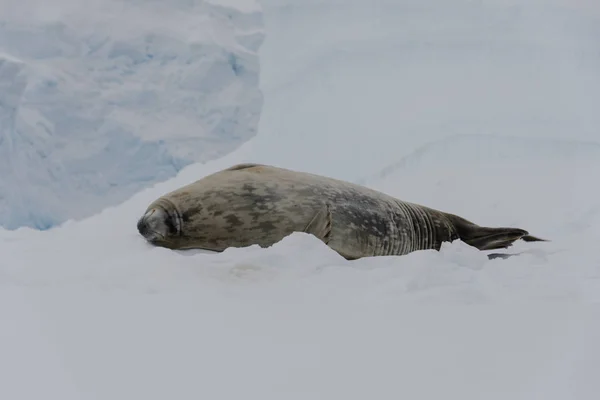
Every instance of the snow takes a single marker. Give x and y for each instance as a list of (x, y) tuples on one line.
[(408, 73), (103, 98), (91, 311)]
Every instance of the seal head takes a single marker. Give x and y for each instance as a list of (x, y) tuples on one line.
[(158, 225)]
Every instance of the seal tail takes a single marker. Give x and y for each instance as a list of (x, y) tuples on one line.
[(486, 238)]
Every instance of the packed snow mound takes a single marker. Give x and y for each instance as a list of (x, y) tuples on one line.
[(100, 99), (467, 187), (106, 313)]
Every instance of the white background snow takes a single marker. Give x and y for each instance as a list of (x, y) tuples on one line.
[(486, 109)]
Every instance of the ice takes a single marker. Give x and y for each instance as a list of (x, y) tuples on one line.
[(102, 98)]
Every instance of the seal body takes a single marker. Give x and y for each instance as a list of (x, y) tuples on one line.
[(251, 204)]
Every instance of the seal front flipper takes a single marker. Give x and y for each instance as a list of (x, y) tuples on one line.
[(320, 224), (503, 256)]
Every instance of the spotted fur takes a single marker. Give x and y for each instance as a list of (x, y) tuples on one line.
[(251, 204)]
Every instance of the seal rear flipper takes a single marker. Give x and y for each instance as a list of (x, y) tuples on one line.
[(493, 238), (320, 224), (529, 238), (485, 238)]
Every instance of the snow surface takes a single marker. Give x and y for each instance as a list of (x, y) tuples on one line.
[(102, 98), (91, 311), (405, 73)]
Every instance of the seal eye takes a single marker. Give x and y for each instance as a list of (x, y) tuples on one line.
[(171, 226), (155, 225)]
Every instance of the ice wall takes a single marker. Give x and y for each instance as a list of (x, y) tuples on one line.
[(100, 99)]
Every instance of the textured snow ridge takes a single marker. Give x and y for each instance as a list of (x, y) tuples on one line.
[(100, 99)]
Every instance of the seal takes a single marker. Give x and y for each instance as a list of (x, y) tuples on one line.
[(249, 204)]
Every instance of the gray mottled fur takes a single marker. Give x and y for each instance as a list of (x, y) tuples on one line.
[(251, 204)]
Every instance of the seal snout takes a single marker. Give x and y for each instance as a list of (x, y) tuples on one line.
[(152, 225)]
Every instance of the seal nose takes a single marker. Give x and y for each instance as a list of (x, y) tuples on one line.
[(142, 226)]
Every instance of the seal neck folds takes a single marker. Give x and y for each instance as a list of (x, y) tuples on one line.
[(423, 228)]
